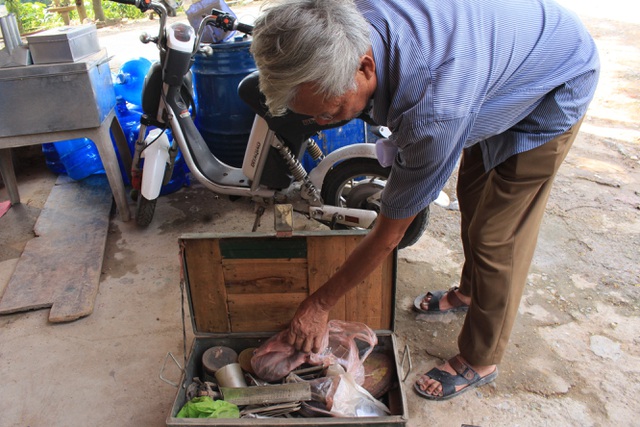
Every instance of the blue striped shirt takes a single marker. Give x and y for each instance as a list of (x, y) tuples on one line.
[(507, 74)]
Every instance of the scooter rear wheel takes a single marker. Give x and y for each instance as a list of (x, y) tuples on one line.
[(352, 182), (145, 210)]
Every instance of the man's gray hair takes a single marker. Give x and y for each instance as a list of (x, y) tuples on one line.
[(308, 41)]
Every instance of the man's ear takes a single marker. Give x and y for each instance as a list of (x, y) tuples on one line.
[(368, 65)]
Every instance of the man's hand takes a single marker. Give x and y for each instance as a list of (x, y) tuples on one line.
[(308, 327)]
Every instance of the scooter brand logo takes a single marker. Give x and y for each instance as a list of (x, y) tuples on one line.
[(256, 152)]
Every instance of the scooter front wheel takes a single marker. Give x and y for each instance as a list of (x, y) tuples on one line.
[(145, 210), (352, 183)]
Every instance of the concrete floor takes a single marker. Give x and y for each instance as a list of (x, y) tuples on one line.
[(103, 369), (574, 356)]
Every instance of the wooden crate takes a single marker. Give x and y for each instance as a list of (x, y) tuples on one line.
[(244, 288)]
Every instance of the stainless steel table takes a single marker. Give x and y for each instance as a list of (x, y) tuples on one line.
[(57, 102)]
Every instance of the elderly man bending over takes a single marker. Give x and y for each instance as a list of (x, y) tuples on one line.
[(502, 85)]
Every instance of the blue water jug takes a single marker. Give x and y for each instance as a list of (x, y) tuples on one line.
[(80, 157), (129, 118), (128, 114), (128, 82), (52, 158)]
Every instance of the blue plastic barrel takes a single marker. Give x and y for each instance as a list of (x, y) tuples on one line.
[(331, 139), (80, 157), (223, 119)]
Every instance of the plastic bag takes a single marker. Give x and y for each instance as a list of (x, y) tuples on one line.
[(274, 359), (206, 407), (345, 343), (197, 9), (340, 396), (349, 344), (351, 400)]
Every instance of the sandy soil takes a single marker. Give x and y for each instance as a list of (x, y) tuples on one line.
[(574, 357)]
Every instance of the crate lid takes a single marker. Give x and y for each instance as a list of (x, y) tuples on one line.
[(61, 33), (254, 282), (48, 70)]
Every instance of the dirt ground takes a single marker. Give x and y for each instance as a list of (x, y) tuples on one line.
[(574, 355)]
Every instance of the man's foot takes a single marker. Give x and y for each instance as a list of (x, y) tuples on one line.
[(454, 378), (441, 301)]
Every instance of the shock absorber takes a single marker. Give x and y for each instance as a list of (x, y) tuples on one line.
[(314, 150), (308, 190)]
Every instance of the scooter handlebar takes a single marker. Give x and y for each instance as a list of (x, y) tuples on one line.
[(228, 22), (245, 28)]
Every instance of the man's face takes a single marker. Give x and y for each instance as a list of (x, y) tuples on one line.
[(337, 109), (331, 110)]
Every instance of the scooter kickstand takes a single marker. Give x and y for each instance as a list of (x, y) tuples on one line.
[(334, 221), (256, 223)]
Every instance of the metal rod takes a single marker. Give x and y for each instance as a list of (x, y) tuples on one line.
[(13, 27), (7, 34)]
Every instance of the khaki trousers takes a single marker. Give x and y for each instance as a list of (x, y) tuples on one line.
[(501, 211)]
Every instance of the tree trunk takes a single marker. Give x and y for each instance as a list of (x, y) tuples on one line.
[(97, 10), (82, 11)]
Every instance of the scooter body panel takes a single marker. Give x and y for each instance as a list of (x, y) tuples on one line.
[(255, 155), (360, 218), (206, 168)]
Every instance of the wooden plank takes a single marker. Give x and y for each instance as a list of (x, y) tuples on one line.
[(205, 278), (325, 255), (364, 302), (371, 301), (263, 312), (254, 276), (61, 267)]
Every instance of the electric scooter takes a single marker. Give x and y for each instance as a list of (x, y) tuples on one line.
[(342, 191)]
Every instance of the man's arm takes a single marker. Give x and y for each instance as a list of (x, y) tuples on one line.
[(308, 326)]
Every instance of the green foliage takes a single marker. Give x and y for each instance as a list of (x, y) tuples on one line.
[(113, 10), (34, 16), (13, 5)]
